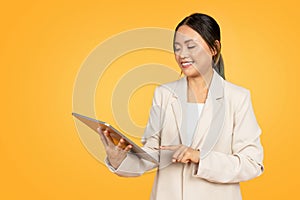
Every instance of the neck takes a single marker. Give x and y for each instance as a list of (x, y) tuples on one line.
[(200, 82)]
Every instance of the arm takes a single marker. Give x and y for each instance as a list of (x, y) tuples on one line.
[(132, 165), (245, 162)]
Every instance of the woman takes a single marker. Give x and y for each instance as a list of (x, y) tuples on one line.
[(201, 129)]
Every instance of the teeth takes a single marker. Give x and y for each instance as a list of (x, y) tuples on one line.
[(186, 63)]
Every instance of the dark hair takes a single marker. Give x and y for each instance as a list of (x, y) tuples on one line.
[(209, 30)]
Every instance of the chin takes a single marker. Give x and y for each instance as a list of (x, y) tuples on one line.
[(191, 73)]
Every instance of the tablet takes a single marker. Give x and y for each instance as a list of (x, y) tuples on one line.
[(116, 136)]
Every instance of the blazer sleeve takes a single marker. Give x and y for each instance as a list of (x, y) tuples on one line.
[(132, 165), (245, 161)]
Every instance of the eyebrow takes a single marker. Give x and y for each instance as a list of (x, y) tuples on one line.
[(190, 40)]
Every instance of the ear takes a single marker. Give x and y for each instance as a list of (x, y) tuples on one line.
[(216, 48)]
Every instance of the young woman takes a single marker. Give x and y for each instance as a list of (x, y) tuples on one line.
[(201, 129)]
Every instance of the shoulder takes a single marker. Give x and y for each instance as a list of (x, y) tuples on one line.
[(236, 95), (170, 87), (164, 93), (233, 90)]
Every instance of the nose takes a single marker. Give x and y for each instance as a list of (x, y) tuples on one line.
[(184, 53)]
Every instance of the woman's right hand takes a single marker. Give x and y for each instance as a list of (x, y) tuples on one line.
[(115, 153)]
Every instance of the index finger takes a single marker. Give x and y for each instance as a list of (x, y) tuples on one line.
[(170, 147)]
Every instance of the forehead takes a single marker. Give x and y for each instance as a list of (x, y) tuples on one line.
[(185, 33)]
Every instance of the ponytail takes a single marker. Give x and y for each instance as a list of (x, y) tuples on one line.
[(219, 66)]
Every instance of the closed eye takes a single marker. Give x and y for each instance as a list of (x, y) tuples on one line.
[(176, 49)]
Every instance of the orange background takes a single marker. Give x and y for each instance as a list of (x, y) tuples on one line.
[(43, 45)]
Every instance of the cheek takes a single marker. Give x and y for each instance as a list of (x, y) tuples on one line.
[(176, 57), (203, 61), (201, 55)]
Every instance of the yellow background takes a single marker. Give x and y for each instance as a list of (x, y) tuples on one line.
[(43, 45)]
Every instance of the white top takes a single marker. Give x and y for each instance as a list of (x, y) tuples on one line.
[(193, 114)]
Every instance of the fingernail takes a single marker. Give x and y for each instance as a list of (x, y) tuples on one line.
[(173, 160)]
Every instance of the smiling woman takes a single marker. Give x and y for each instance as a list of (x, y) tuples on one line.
[(205, 34), (202, 129)]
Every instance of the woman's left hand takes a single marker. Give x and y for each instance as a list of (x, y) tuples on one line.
[(183, 154)]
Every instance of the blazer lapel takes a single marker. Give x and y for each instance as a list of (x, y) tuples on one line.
[(178, 106), (212, 118), (203, 122)]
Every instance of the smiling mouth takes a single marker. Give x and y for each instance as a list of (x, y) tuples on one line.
[(186, 64)]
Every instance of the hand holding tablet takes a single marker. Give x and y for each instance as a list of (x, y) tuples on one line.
[(115, 153), (116, 144)]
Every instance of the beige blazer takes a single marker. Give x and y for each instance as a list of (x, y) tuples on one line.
[(227, 136)]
